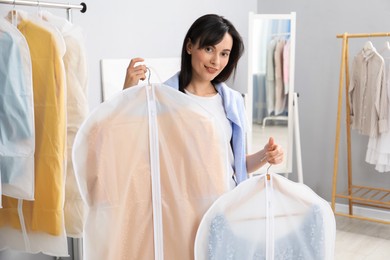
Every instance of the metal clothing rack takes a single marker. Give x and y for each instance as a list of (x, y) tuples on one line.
[(82, 6), (76, 243), (356, 194)]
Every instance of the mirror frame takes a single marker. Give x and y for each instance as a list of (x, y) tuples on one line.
[(249, 99)]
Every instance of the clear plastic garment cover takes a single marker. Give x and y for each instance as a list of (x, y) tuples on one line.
[(17, 138), (38, 225), (267, 219), (142, 140)]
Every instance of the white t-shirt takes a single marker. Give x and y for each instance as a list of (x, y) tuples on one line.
[(215, 106)]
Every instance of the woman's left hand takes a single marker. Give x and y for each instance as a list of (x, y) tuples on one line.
[(273, 152)]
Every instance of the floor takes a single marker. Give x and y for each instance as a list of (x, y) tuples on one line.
[(361, 240)]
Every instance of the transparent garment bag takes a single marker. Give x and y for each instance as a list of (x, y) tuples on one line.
[(267, 219), (37, 225), (114, 168), (17, 138), (75, 64)]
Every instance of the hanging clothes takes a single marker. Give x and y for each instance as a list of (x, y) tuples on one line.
[(269, 219), (280, 97), (112, 161), (286, 66), (368, 94), (378, 148), (76, 111), (270, 76), (17, 138), (38, 226)]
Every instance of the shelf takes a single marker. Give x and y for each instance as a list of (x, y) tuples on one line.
[(366, 196)]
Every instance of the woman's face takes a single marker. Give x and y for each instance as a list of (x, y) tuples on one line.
[(209, 61)]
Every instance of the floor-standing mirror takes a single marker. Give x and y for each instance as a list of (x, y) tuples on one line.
[(271, 56)]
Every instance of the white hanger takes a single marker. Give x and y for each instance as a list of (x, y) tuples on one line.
[(14, 15), (368, 46), (387, 45), (386, 48)]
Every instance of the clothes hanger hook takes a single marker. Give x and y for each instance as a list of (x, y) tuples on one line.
[(267, 174), (13, 14), (39, 7), (149, 74)]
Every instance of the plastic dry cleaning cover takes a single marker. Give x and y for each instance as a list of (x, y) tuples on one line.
[(267, 219), (116, 153)]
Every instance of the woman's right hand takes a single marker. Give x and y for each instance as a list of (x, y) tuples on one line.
[(134, 73)]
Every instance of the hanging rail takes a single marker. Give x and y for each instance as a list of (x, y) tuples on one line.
[(362, 35), (82, 6)]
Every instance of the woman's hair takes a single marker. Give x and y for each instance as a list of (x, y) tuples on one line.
[(209, 30)]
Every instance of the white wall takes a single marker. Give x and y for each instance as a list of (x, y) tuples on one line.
[(150, 28)]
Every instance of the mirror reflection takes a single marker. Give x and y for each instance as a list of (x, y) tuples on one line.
[(271, 54)]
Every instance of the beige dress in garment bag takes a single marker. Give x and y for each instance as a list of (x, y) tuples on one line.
[(112, 165)]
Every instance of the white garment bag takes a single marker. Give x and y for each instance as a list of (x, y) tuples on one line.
[(149, 164), (17, 127), (268, 219)]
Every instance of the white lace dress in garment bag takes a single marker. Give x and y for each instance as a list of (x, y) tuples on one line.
[(260, 219)]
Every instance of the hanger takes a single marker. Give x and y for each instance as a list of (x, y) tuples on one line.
[(267, 174), (296, 213), (386, 48), (14, 15), (368, 46), (150, 73), (39, 10), (387, 45)]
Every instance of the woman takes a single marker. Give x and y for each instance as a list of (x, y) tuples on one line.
[(211, 50)]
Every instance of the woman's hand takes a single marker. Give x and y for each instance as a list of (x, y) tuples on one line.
[(134, 73), (273, 152)]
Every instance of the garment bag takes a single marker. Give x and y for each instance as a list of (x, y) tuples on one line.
[(75, 64), (114, 157), (38, 225), (268, 219), (17, 132)]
